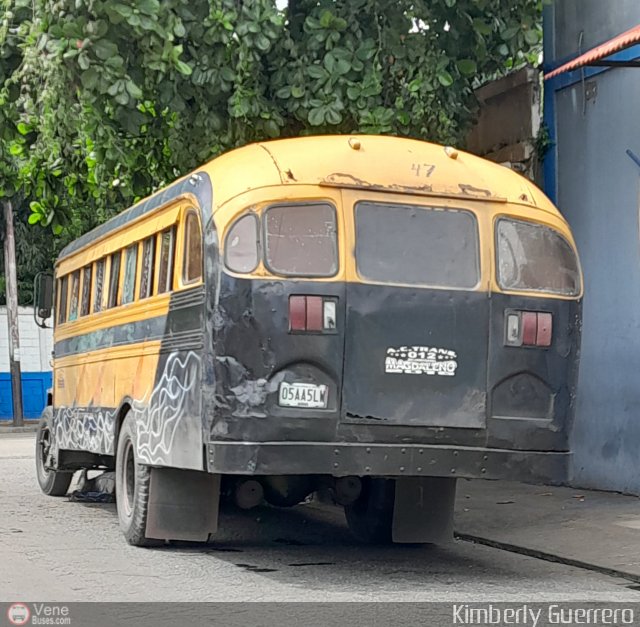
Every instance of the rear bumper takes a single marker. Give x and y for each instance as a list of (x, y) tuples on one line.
[(388, 460)]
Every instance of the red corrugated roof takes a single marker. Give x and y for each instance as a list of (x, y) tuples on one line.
[(626, 39)]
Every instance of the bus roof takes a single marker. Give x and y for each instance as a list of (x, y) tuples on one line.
[(379, 162), (374, 162)]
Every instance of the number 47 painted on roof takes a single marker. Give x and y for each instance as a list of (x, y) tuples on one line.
[(426, 169)]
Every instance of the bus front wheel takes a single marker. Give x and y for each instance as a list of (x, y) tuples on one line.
[(52, 482), (132, 487)]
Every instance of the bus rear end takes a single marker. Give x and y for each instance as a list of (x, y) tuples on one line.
[(380, 342)]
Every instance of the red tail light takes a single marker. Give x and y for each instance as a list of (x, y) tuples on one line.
[(298, 313), (528, 328), (545, 326), (314, 314)]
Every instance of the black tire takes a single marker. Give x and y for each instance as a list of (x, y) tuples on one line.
[(370, 517), (52, 482), (132, 487)]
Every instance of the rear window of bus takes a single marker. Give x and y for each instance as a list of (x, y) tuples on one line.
[(300, 240), (241, 249), (417, 245), (533, 257)]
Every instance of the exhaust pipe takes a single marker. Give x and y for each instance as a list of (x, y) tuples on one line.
[(248, 494), (347, 490)]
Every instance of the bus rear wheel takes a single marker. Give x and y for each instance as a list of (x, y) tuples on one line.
[(370, 516), (52, 482), (132, 487)]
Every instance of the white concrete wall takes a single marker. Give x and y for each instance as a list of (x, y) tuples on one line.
[(36, 344)]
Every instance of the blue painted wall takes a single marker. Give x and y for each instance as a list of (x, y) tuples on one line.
[(597, 187), (34, 394)]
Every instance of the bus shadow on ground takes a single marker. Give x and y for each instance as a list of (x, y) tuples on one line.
[(310, 546), (314, 540)]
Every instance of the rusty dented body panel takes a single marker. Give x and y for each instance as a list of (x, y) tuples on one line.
[(503, 399)]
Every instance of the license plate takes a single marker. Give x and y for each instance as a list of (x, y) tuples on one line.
[(307, 395)]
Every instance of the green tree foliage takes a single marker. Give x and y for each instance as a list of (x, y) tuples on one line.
[(35, 248), (105, 100)]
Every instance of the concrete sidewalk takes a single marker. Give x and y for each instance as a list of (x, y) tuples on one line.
[(29, 426), (597, 530)]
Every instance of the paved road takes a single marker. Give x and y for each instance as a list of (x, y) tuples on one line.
[(54, 550)]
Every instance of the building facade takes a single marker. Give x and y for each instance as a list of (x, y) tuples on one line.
[(592, 172), (36, 345)]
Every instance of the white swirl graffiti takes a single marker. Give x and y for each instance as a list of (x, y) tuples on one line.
[(158, 417), (171, 401), (84, 429)]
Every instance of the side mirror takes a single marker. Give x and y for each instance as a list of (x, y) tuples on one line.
[(42, 298)]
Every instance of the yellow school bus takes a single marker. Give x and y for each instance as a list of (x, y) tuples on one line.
[(376, 316)]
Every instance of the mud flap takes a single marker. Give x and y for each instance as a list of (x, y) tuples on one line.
[(183, 504), (423, 510)]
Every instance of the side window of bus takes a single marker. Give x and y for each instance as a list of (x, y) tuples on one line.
[(130, 265), (114, 279), (192, 262), (535, 257), (75, 295), (63, 285), (165, 273), (300, 240), (241, 247), (86, 291), (148, 264), (99, 283)]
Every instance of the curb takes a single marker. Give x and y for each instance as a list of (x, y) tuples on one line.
[(548, 557), (30, 426)]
